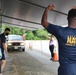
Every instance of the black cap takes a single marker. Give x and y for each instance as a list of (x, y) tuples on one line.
[(72, 13)]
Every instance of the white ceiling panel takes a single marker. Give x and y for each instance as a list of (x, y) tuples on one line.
[(29, 12)]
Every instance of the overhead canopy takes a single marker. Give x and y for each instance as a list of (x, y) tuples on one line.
[(28, 13)]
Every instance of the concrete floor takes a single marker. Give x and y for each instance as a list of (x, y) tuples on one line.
[(29, 63)]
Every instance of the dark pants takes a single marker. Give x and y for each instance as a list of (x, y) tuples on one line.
[(51, 50), (67, 69)]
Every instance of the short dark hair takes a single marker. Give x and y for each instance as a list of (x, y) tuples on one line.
[(7, 29), (72, 13)]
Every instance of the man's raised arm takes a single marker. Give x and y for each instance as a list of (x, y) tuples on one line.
[(45, 14)]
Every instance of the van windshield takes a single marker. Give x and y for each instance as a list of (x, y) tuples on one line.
[(10, 38)]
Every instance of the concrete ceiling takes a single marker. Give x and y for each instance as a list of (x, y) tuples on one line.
[(27, 13)]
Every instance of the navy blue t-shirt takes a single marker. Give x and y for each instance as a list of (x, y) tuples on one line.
[(2, 40), (66, 37)]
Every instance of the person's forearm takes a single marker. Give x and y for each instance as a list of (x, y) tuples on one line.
[(44, 18), (44, 21), (4, 46)]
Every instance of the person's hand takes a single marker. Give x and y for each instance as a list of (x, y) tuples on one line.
[(50, 7), (6, 51)]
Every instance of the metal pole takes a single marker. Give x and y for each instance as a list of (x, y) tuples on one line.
[(42, 6), (0, 26), (20, 19), (20, 25), (0, 16)]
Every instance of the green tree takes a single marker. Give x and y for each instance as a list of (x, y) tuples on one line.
[(42, 34), (29, 35), (14, 30)]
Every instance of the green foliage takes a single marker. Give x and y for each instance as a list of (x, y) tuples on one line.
[(30, 35), (14, 30), (36, 38), (37, 35), (40, 34)]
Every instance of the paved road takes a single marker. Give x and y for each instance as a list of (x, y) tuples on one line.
[(29, 63)]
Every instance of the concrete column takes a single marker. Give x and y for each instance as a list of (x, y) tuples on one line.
[(0, 16)]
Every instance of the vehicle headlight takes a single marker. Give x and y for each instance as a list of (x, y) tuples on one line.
[(22, 44), (9, 44)]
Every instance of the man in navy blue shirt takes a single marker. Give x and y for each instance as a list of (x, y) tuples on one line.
[(66, 37), (3, 47)]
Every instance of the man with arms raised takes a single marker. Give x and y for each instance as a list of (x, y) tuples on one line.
[(66, 37)]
